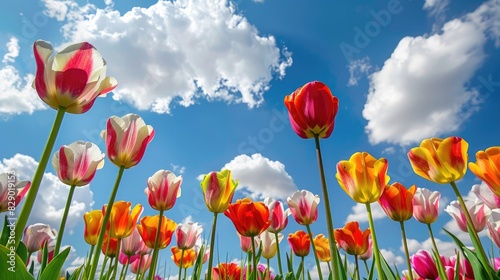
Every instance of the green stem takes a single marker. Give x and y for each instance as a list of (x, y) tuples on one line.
[(376, 252), (357, 266), (152, 269), (63, 221), (104, 263), (407, 254), (124, 268), (268, 274), (254, 258), (303, 268), (29, 200), (185, 272), (95, 258), (329, 220), (472, 233), (139, 272), (86, 271), (278, 253), (212, 243), (115, 267), (366, 267), (320, 274), (440, 266), (180, 264)]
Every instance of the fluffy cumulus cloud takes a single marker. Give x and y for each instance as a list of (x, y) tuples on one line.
[(359, 213), (446, 248), (391, 257), (261, 177), (358, 68), (51, 199), (17, 94), (422, 89), (175, 52)]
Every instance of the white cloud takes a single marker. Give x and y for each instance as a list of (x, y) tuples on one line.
[(261, 177), (324, 271), (391, 258), (17, 94), (422, 88), (359, 213), (436, 8), (51, 198), (446, 248), (176, 52), (487, 16), (178, 168), (389, 151), (358, 68)]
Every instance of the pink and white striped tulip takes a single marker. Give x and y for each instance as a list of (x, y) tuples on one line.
[(11, 188), (77, 163), (494, 227), (51, 245), (478, 212), (304, 207), (141, 264), (484, 193), (134, 245), (126, 139), (163, 190), (36, 235), (426, 205), (72, 78), (279, 216), (187, 234), (270, 244), (246, 243)]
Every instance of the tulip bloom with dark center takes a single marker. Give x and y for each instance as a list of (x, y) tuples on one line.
[(487, 168), (121, 220), (300, 243), (312, 109), (440, 160), (250, 218), (352, 239), (396, 201), (72, 78), (93, 223), (149, 227), (163, 190)]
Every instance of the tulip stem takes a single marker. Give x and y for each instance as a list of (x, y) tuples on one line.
[(152, 269), (95, 258), (366, 267), (63, 220), (29, 200), (472, 233), (268, 274), (124, 268), (376, 252), (357, 267), (279, 255), (212, 242), (254, 258), (407, 254), (115, 267), (309, 232), (329, 221), (303, 268), (89, 258), (180, 264), (441, 269)]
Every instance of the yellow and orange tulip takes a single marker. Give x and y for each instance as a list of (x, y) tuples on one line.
[(322, 248), (93, 223), (250, 218), (351, 239), (121, 221), (218, 190), (487, 168), (149, 227), (363, 177), (397, 202), (188, 257)]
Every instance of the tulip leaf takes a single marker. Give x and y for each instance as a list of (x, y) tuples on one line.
[(290, 276), (343, 275), (372, 269), (22, 252), (53, 269), (477, 266), (4, 238), (299, 271), (289, 262), (12, 268), (198, 264), (45, 258), (309, 275), (437, 260), (386, 269)]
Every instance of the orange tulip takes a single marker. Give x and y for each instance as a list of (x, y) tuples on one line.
[(322, 248), (487, 168), (440, 160), (352, 239), (93, 223), (149, 227), (312, 109), (121, 221), (397, 202), (250, 218), (188, 257), (110, 246), (227, 271), (300, 243)]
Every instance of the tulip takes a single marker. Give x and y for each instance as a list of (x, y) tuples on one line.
[(494, 227), (93, 223), (227, 271), (126, 259), (126, 139), (440, 160), (487, 168), (496, 263), (269, 244), (240, 212), (351, 239), (121, 220), (246, 243), (163, 190), (396, 201), (218, 190), (368, 254), (50, 251), (424, 265), (322, 248), (300, 243), (149, 226), (35, 236), (140, 265), (479, 213), (486, 195), (304, 207), (183, 258), (76, 164), (279, 217), (187, 234), (363, 177), (426, 205), (110, 246), (72, 78), (312, 109), (133, 244), (11, 192)]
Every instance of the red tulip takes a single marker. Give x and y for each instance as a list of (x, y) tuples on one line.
[(250, 218), (300, 243)]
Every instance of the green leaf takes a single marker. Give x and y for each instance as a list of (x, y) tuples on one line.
[(76, 273), (289, 262), (343, 275), (439, 265), (4, 238), (53, 269), (299, 271), (12, 268), (290, 276), (22, 252), (386, 269)]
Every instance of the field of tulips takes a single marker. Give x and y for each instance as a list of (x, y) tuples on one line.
[(124, 243)]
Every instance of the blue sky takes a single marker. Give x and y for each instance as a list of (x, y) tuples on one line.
[(210, 76)]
